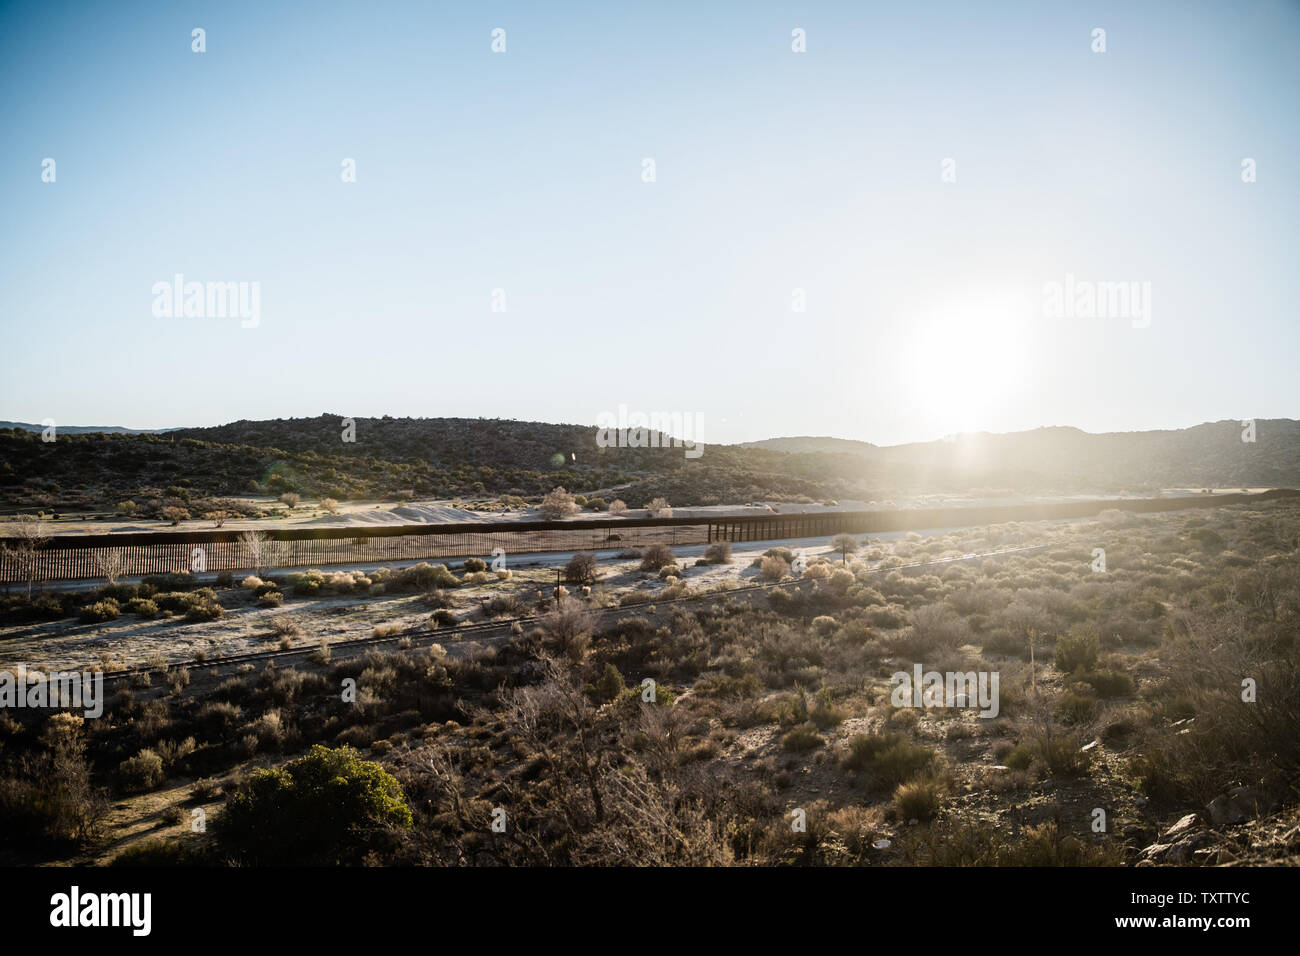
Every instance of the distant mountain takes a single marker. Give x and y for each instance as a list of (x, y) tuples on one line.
[(86, 429), (803, 446), (1208, 455)]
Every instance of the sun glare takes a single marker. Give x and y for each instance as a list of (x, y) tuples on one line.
[(967, 363)]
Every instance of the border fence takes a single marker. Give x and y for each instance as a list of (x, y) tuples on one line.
[(82, 556)]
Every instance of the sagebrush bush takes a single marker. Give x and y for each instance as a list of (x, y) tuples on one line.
[(1077, 651), (655, 556), (99, 612), (142, 772)]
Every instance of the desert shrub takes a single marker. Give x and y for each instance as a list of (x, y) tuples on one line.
[(557, 503), (425, 577), (774, 568), (1018, 758), (825, 715), (1060, 755), (802, 738), (329, 807), (143, 608), (175, 515), (100, 611), (719, 552), (473, 565), (890, 758), (444, 617), (843, 545), (617, 507), (568, 628), (824, 624), (610, 685), (1076, 708), (659, 508), (160, 851), (965, 843), (204, 609), (889, 617), (1109, 682), (656, 556), (271, 599), (142, 772), (179, 581), (581, 568), (1076, 651), (918, 799), (121, 593)]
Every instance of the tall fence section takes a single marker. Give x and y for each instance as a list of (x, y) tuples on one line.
[(83, 556)]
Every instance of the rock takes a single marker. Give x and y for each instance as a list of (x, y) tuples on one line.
[(1182, 827), (1238, 805), (1179, 853), (1156, 850), (1086, 747)]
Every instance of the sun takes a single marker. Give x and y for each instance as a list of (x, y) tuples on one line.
[(968, 363)]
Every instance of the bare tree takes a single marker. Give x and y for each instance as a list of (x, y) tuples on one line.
[(175, 515), (659, 508), (111, 563), (569, 627), (263, 550), (291, 498), (30, 536), (844, 545), (558, 503)]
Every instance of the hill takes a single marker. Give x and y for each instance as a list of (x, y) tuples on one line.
[(482, 458)]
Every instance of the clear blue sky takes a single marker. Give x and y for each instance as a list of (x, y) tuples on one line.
[(775, 171)]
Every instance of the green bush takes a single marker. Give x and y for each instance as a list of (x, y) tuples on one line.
[(610, 686), (143, 607), (890, 758), (327, 808), (100, 611)]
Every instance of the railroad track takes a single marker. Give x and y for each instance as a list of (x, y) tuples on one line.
[(462, 631)]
